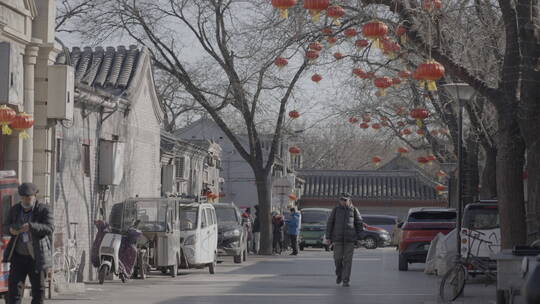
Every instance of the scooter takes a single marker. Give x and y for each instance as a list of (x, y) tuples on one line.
[(118, 254)]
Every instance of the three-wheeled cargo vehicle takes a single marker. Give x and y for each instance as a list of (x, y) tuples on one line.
[(159, 221)]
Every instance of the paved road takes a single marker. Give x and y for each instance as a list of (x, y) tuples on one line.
[(307, 278)]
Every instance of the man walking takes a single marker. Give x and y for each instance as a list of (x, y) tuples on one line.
[(293, 229), (342, 231), (30, 224)]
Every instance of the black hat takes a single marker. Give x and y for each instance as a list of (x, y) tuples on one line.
[(28, 189), (345, 195)]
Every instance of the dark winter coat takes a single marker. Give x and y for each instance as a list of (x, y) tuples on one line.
[(41, 229), (344, 225), (277, 227)]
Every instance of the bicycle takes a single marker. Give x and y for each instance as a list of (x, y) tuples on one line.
[(72, 256), (453, 282)]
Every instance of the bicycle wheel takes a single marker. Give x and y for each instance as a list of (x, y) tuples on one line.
[(453, 283), (60, 267)]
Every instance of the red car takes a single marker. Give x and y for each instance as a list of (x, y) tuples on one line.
[(420, 227)]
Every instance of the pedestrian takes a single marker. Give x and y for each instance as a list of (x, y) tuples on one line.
[(256, 231), (293, 229), (30, 224), (277, 232), (343, 231)]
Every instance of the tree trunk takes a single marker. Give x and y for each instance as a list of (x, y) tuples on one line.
[(488, 190), (510, 160), (264, 194), (533, 190)]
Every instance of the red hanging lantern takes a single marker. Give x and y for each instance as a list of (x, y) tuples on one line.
[(432, 5), (390, 48), (316, 78), (294, 114), (403, 150), (294, 150), (353, 120), (335, 12), (292, 197), (358, 72), (376, 126), (350, 32), (315, 46), (431, 158), (406, 131), (419, 114), (364, 125), (315, 7), (283, 6), (430, 72), (281, 62), (396, 81), (327, 31), (331, 40), (401, 32), (361, 43), (376, 160), (440, 188), (312, 55), (338, 55), (21, 123), (383, 83), (422, 160), (375, 31), (404, 74), (421, 132), (7, 116)]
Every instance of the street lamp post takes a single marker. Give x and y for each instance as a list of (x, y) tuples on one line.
[(460, 92)]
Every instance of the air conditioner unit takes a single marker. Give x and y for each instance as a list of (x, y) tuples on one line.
[(111, 162), (60, 93), (11, 74)]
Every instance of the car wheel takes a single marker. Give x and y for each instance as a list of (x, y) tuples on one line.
[(370, 243), (403, 263), (239, 258)]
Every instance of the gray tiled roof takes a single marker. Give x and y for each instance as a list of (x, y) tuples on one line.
[(109, 69)]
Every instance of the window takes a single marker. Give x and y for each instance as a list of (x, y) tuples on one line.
[(188, 218), (432, 216), (213, 215), (204, 218), (376, 221), (86, 159)]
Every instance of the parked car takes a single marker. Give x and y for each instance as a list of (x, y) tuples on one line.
[(232, 232), (419, 228), (199, 236), (386, 222), (373, 237), (312, 231)]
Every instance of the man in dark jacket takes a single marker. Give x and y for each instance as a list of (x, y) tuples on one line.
[(256, 231), (343, 231), (30, 225)]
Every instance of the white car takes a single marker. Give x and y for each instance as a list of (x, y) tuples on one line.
[(199, 236), (481, 233)]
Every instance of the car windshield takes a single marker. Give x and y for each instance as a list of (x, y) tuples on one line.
[(432, 216), (314, 217), (481, 218), (188, 218), (152, 216), (226, 214)]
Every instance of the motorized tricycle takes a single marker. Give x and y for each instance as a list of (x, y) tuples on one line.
[(159, 246)]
